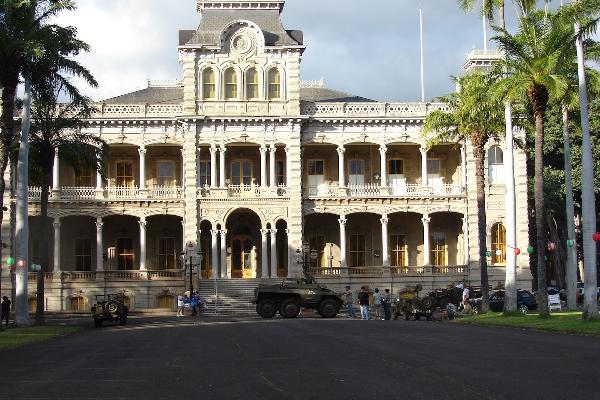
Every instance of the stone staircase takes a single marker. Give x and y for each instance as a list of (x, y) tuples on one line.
[(229, 297)]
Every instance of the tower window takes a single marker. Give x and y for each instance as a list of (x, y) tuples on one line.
[(251, 84), (274, 84), (208, 84), (231, 91)]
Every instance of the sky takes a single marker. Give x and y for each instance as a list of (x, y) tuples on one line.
[(368, 48)]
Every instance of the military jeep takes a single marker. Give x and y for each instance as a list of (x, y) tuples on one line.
[(289, 296), (110, 307)]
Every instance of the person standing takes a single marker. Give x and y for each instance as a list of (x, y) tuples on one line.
[(194, 303), (350, 302), (386, 300), (377, 304), (180, 305), (5, 309), (363, 299)]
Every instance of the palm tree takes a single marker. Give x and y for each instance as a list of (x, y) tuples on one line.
[(32, 46), (534, 58), (475, 115)]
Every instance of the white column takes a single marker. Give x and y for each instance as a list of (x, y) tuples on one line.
[(142, 223), (99, 246), (384, 241), (423, 166), (142, 151), (465, 228), (272, 177), (56, 225), (273, 253), (222, 149), (264, 259), (224, 267), (342, 222), (463, 164), (383, 153), (99, 181), (342, 178), (426, 245), (289, 256), (213, 167), (263, 166), (214, 235), (55, 173), (287, 167)]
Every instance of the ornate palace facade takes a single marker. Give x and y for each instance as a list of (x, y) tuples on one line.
[(246, 162)]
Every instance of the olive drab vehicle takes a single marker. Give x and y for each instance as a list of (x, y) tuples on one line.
[(110, 307), (289, 296)]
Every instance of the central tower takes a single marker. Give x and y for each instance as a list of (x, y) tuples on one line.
[(241, 61)]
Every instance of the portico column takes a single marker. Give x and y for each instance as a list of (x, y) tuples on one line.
[(384, 241), (142, 223), (99, 246), (56, 225), (465, 228), (342, 178), (55, 173), (424, 181), (222, 166), (463, 164), (426, 246), (273, 181), (224, 266), (263, 166), (273, 253), (287, 166), (342, 221), (264, 256), (214, 235), (289, 256), (383, 153), (142, 151), (213, 167)]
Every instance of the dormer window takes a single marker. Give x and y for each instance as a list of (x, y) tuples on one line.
[(274, 84), (208, 84), (251, 84), (231, 91)]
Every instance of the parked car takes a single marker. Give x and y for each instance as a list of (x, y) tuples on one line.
[(525, 301)]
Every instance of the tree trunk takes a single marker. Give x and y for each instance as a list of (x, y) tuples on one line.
[(590, 301), (571, 266), (479, 153), (22, 225), (558, 256), (542, 289)]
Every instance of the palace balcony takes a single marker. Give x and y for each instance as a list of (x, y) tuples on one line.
[(395, 271), (374, 190), (155, 192)]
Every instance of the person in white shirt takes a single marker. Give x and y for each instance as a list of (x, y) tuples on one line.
[(180, 305)]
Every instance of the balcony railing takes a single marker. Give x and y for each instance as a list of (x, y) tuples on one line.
[(110, 193), (243, 191), (451, 270), (369, 190), (405, 110), (73, 276)]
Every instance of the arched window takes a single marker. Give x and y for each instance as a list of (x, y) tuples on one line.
[(274, 84), (208, 84), (251, 84), (231, 91), (496, 164), (498, 243)]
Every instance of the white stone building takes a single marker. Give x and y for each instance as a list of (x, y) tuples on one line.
[(247, 162)]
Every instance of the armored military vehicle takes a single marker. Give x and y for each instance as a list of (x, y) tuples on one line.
[(109, 307), (289, 296)]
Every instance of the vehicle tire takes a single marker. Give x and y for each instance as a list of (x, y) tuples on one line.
[(112, 307), (444, 302), (523, 309), (428, 302), (289, 308), (266, 308), (329, 308), (97, 323)]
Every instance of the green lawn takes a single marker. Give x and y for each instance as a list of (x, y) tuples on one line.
[(15, 337), (565, 322)]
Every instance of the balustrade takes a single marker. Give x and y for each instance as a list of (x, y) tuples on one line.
[(370, 190)]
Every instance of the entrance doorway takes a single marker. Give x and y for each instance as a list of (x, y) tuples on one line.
[(242, 257)]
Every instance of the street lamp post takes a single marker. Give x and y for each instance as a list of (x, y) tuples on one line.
[(39, 310)]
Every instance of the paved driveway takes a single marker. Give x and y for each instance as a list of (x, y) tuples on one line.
[(176, 358)]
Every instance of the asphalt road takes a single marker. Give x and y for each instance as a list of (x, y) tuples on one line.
[(306, 358)]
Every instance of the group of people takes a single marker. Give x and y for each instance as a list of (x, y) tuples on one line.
[(187, 301), (382, 303)]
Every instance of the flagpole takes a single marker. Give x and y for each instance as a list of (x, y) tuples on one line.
[(422, 68)]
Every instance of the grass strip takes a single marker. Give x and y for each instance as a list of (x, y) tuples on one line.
[(563, 322), (15, 337)]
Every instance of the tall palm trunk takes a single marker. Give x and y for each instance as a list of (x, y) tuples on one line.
[(571, 267), (539, 99), (479, 153)]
